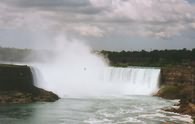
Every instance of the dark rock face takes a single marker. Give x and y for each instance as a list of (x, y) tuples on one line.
[(16, 86), (179, 83), (14, 77), (177, 75)]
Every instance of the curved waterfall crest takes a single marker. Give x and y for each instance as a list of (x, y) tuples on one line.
[(138, 80), (106, 81)]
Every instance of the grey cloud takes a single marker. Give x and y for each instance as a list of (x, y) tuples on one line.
[(84, 19), (56, 6), (191, 1), (72, 6), (47, 3)]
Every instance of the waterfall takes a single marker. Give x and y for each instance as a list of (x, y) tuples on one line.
[(73, 69), (107, 81), (134, 80)]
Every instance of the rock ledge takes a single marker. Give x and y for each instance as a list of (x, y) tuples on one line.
[(20, 97)]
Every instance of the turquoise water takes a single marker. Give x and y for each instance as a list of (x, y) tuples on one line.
[(97, 110)]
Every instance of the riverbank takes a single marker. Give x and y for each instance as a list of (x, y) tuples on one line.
[(21, 97), (17, 86), (178, 83)]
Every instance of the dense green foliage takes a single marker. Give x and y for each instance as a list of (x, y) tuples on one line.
[(156, 58)]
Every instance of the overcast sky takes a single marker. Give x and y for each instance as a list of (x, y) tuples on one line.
[(103, 24)]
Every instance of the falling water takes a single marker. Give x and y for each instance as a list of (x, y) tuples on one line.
[(75, 70), (107, 81), (135, 80)]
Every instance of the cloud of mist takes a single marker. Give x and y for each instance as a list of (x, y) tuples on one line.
[(73, 69)]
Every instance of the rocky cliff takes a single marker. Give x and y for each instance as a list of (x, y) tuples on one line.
[(177, 75), (16, 86), (179, 83)]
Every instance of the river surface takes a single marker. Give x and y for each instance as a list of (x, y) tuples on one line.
[(94, 110)]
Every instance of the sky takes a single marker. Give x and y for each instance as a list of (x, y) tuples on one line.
[(103, 24)]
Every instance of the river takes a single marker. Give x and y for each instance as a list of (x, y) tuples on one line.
[(94, 110)]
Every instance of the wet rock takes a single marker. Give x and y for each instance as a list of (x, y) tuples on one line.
[(187, 108), (16, 97)]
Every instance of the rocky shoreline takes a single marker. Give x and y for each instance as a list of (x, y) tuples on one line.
[(178, 83), (186, 107), (20, 97)]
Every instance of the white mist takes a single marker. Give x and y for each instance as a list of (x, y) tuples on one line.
[(73, 71), (76, 71)]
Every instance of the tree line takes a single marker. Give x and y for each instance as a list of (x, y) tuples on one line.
[(155, 58)]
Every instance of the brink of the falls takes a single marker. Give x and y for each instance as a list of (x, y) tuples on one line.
[(133, 80), (107, 81)]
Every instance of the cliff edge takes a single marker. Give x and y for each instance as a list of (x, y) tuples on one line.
[(17, 86), (179, 83)]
